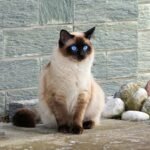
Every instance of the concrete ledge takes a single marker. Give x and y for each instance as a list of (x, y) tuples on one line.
[(111, 135)]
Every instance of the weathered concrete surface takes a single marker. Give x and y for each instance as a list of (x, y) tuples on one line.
[(111, 135)]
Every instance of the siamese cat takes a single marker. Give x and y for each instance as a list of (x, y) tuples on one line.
[(70, 99)]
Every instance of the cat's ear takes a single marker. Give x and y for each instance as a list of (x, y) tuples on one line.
[(65, 36), (88, 34)]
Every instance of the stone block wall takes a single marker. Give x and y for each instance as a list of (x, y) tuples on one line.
[(144, 41), (29, 31)]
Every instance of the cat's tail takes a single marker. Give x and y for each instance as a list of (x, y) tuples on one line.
[(25, 117)]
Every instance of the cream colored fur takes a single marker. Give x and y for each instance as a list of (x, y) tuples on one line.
[(70, 78)]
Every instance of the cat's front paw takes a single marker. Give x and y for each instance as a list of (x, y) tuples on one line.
[(64, 128), (76, 129)]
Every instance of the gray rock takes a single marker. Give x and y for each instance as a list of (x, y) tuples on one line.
[(134, 116), (133, 96), (109, 98), (140, 96), (114, 107), (146, 106), (117, 95)]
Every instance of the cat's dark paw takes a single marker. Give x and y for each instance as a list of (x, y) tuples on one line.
[(76, 129), (88, 124), (64, 128)]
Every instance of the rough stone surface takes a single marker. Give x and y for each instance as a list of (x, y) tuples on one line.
[(143, 41), (99, 69), (143, 1), (23, 94), (100, 11), (15, 13), (143, 53), (117, 64), (19, 73), (1, 44), (116, 11), (134, 116), (55, 11), (32, 41), (111, 135), (114, 107), (89, 11), (143, 78), (133, 96), (2, 103), (144, 16), (146, 106), (144, 61)]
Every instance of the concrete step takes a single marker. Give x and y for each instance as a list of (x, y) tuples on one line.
[(110, 135)]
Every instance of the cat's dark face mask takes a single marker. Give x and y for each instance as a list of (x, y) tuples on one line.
[(77, 47), (79, 50)]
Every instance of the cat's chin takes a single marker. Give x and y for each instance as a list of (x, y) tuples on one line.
[(81, 59), (76, 60)]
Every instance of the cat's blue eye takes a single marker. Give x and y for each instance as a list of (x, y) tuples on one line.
[(85, 48), (74, 48)]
